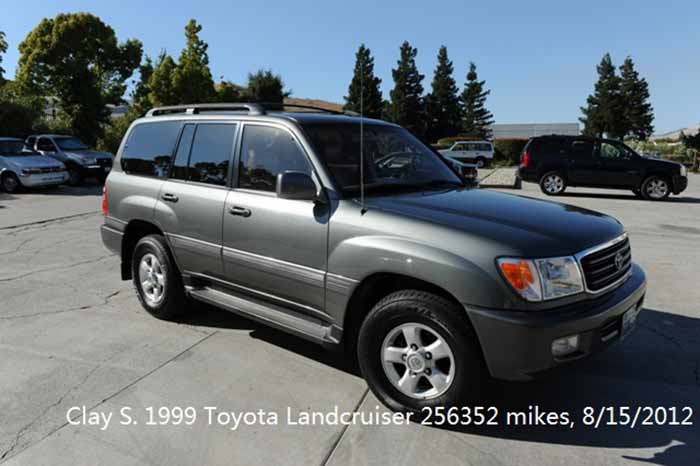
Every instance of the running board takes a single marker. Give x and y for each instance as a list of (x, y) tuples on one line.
[(275, 316)]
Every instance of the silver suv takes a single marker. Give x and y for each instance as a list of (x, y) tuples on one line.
[(353, 234)]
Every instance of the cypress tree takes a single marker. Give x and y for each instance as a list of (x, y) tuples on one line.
[(476, 118), (364, 86), (267, 87), (638, 112), (140, 100), (192, 80), (604, 111), (160, 85), (407, 106), (442, 104)]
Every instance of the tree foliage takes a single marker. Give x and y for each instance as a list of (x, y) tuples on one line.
[(265, 86), (226, 91), (638, 113), (407, 106), (76, 59), (192, 81), (604, 111), (476, 118), (364, 94), (19, 112), (140, 96), (160, 85), (442, 104), (3, 49)]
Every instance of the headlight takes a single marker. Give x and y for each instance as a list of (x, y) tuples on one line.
[(30, 171), (89, 161), (684, 170), (542, 279)]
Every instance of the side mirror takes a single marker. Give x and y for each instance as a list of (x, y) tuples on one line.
[(296, 185)]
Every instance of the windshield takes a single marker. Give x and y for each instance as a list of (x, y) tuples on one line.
[(69, 143), (394, 158), (12, 148)]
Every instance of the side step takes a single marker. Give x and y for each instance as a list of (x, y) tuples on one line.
[(269, 314)]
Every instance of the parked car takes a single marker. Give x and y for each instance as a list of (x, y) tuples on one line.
[(434, 286), (556, 162), (81, 161), (479, 152), (26, 169)]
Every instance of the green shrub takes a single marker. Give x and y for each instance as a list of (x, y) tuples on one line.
[(506, 152)]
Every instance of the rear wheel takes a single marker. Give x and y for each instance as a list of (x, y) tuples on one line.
[(552, 183), (416, 351), (10, 182), (480, 162), (655, 188), (156, 278)]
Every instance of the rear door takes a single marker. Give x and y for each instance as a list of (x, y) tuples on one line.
[(276, 248), (583, 167), (191, 202)]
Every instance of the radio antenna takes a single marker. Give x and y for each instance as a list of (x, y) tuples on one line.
[(362, 135)]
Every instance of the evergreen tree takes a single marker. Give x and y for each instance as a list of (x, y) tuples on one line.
[(407, 106), (638, 112), (140, 97), (160, 85), (192, 81), (442, 104), (3, 49), (227, 91), (604, 113), (476, 118), (266, 87), (364, 93)]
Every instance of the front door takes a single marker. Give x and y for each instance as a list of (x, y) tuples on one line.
[(620, 167), (191, 203), (275, 248)]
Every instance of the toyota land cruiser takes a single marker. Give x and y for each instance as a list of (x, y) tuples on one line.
[(354, 234)]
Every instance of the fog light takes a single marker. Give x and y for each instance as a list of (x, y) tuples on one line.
[(565, 346)]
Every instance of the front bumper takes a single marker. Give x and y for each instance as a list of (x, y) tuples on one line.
[(43, 179), (95, 171), (518, 344), (679, 184)]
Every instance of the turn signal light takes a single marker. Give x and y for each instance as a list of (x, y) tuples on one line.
[(522, 276)]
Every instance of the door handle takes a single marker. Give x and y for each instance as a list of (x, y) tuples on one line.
[(240, 211), (169, 197)]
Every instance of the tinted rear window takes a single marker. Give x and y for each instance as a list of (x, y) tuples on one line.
[(149, 149), (548, 146)]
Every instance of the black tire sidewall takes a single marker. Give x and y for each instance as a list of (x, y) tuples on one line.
[(552, 172), (18, 184), (470, 373), (172, 303)]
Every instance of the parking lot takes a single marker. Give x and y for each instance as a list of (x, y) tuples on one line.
[(73, 334)]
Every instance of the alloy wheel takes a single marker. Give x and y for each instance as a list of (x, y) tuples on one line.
[(656, 188), (152, 279), (418, 361), (553, 184)]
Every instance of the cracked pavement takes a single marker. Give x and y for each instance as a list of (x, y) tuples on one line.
[(73, 334)]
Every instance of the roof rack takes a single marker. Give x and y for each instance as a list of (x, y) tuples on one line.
[(280, 107), (194, 109)]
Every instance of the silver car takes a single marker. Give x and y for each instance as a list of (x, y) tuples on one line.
[(19, 168), (81, 161)]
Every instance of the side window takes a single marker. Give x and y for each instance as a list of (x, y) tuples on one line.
[(182, 156), (211, 153), (610, 151), (265, 152), (485, 147), (29, 144), (471, 147), (46, 145), (582, 148), (149, 149), (460, 147), (550, 146)]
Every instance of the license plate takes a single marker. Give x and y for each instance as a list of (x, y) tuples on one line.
[(629, 320)]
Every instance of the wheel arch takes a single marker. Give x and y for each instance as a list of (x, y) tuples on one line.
[(134, 231)]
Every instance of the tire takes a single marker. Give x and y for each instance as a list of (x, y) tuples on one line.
[(481, 162), (655, 188), (159, 285), (553, 183), (433, 316), (75, 178), (10, 183)]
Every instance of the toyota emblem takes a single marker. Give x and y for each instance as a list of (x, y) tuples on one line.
[(619, 260)]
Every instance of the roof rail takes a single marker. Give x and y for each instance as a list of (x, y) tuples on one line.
[(281, 106), (194, 109)]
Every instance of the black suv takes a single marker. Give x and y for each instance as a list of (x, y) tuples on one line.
[(556, 162)]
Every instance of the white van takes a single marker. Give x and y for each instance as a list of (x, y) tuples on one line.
[(479, 152)]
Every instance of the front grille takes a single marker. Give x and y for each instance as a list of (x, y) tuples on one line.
[(607, 266)]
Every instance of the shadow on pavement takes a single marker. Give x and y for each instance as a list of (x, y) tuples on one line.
[(658, 365), (88, 188)]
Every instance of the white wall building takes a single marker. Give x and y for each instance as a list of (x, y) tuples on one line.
[(528, 130)]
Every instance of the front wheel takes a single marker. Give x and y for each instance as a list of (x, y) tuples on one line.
[(480, 162), (10, 183), (552, 183), (157, 280), (655, 188), (416, 351), (74, 176)]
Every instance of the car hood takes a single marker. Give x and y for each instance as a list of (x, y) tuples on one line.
[(90, 154), (530, 227), (32, 161), (661, 163)]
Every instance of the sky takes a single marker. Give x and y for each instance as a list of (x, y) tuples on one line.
[(538, 57)]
